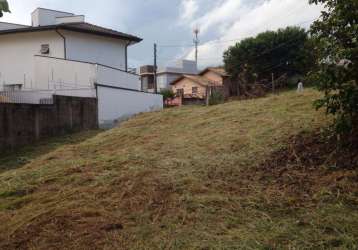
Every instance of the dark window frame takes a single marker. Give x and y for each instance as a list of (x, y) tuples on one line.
[(180, 92), (194, 90)]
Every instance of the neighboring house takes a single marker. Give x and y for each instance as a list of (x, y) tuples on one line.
[(220, 77), (62, 54), (166, 75), (63, 36), (147, 77), (191, 87)]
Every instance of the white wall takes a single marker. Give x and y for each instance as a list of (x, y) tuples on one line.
[(113, 77), (96, 49), (21, 66), (17, 55), (44, 17), (81, 92), (70, 19), (55, 73), (117, 104), (164, 80), (44, 96), (52, 73)]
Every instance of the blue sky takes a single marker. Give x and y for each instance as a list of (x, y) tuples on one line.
[(170, 22)]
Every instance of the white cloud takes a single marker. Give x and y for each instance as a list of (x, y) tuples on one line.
[(20, 11), (115, 11), (188, 9), (223, 13), (234, 21)]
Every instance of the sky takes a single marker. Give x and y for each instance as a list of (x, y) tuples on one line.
[(170, 23)]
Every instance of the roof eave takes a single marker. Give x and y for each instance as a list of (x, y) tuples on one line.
[(123, 37), (133, 39), (210, 69)]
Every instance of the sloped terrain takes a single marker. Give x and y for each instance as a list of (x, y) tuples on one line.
[(255, 174)]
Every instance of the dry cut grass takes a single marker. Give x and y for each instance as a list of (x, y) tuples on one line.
[(186, 178)]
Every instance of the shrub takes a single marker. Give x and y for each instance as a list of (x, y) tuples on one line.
[(167, 94), (336, 42), (216, 97)]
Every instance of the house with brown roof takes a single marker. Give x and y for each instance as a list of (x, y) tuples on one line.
[(197, 87)]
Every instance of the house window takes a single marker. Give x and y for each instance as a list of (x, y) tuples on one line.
[(180, 92), (194, 90), (151, 82), (45, 49)]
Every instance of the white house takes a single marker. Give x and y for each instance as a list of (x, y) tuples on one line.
[(61, 51), (58, 35), (166, 75)]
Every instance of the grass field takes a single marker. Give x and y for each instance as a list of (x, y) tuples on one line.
[(243, 175)]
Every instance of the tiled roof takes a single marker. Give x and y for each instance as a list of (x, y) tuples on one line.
[(196, 78), (218, 70), (78, 27)]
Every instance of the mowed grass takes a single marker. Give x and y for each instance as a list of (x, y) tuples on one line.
[(183, 178)]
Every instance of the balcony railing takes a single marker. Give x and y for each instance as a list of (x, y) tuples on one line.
[(55, 73), (42, 96)]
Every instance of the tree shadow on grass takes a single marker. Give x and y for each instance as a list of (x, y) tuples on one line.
[(19, 157)]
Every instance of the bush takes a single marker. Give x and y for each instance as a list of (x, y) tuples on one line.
[(335, 36), (216, 97), (167, 94)]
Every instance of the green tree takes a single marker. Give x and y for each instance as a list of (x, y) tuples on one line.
[(4, 7), (280, 52), (336, 34), (167, 94)]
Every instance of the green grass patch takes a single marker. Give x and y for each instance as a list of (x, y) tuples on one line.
[(183, 178)]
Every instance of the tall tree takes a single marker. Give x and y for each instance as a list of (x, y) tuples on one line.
[(336, 36), (279, 52), (4, 7)]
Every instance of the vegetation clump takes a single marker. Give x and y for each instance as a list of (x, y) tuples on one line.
[(216, 97), (4, 7), (336, 43), (167, 94)]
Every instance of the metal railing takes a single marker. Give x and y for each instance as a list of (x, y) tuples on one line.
[(26, 97), (42, 96)]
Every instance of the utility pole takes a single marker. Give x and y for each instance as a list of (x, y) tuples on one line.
[(155, 69), (196, 43)]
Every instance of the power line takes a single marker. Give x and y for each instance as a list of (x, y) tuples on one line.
[(290, 42), (218, 41)]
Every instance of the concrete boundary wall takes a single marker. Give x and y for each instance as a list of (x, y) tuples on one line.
[(23, 124), (116, 104)]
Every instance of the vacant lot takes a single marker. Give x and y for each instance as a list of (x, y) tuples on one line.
[(243, 175)]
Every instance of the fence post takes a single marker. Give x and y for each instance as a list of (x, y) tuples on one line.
[(208, 93), (37, 123)]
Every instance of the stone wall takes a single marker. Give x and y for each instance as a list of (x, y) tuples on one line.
[(23, 124)]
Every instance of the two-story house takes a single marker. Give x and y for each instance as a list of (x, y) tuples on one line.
[(62, 50), (166, 75), (62, 54)]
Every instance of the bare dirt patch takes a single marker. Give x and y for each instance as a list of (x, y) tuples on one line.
[(309, 163)]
